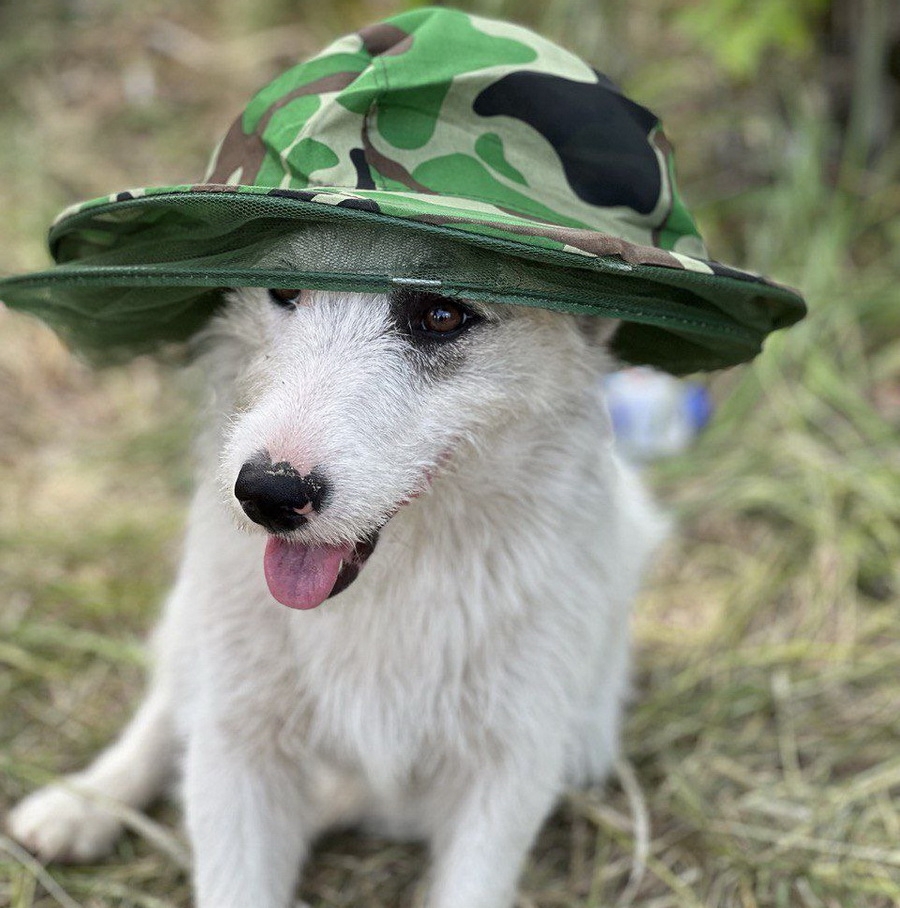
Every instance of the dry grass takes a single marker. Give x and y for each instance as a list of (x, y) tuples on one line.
[(762, 765)]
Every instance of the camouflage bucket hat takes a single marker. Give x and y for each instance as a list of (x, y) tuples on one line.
[(435, 149)]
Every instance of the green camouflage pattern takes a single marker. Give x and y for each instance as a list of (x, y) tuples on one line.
[(385, 117), (455, 125)]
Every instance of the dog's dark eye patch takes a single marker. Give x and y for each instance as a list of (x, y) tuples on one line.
[(437, 329), (287, 299), (429, 318)]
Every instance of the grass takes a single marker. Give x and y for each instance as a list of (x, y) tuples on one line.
[(761, 759)]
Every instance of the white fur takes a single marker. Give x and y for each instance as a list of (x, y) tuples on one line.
[(476, 667)]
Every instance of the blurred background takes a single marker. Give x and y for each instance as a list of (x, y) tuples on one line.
[(762, 752)]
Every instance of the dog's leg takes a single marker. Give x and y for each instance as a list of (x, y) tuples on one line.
[(248, 821), (479, 853), (76, 820), (70, 821)]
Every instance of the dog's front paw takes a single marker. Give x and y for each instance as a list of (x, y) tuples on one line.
[(58, 824)]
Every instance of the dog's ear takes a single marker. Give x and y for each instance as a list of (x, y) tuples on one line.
[(598, 331)]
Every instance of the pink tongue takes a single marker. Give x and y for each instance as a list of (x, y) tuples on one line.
[(302, 576)]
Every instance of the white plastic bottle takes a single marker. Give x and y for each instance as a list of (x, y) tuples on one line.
[(653, 414)]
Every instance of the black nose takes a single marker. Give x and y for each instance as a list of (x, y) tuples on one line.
[(276, 496)]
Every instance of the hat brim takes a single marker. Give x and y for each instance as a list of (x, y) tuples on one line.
[(145, 268)]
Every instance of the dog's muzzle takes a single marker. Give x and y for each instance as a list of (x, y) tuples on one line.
[(277, 497)]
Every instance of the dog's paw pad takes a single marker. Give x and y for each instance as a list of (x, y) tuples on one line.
[(56, 824)]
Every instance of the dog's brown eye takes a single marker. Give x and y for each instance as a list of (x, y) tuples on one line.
[(286, 298), (444, 319), (430, 318)]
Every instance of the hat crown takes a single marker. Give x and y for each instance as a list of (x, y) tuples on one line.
[(438, 149), (440, 103)]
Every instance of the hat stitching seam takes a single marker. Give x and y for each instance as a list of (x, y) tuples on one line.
[(522, 245)]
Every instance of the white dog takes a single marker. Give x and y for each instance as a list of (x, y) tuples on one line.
[(475, 667)]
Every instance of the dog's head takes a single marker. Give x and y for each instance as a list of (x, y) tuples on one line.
[(344, 406)]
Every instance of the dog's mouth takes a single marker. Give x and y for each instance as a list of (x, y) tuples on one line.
[(303, 576)]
